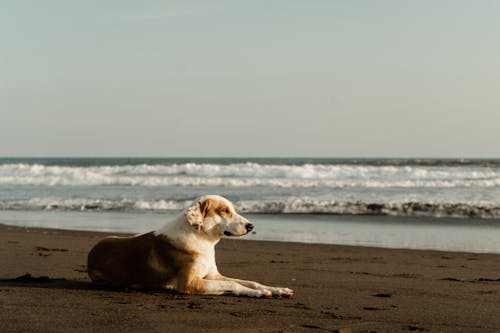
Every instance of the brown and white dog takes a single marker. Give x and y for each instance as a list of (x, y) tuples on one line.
[(180, 256)]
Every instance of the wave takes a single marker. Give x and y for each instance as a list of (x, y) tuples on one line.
[(279, 206), (249, 174), (85, 204), (406, 209)]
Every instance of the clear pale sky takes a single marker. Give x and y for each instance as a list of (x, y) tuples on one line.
[(250, 78)]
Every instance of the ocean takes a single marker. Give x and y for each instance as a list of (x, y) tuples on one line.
[(445, 204)]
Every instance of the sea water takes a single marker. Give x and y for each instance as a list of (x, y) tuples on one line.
[(407, 203)]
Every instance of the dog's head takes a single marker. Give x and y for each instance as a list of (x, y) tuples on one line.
[(215, 216)]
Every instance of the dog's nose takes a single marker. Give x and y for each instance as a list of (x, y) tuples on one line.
[(249, 226)]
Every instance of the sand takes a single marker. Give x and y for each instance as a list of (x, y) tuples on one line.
[(338, 289)]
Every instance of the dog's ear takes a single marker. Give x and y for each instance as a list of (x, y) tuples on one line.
[(197, 213)]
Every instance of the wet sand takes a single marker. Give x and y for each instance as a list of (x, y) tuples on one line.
[(44, 287)]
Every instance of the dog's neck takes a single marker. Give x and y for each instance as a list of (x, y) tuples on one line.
[(183, 235)]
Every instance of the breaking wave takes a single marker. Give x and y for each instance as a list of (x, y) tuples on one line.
[(438, 189), (250, 174), (286, 206)]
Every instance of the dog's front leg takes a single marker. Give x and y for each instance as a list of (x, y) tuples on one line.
[(276, 291), (199, 286)]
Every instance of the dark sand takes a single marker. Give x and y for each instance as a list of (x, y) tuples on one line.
[(338, 289)]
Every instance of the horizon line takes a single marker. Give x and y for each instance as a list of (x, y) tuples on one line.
[(252, 157)]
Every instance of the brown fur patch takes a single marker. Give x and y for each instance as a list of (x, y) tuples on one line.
[(211, 207), (147, 260)]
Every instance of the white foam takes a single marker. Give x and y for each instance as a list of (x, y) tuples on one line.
[(269, 206), (251, 174), (319, 188)]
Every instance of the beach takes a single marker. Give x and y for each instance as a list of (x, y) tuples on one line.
[(345, 150), (44, 287)]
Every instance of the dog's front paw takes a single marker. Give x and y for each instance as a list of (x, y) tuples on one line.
[(282, 292), (287, 292)]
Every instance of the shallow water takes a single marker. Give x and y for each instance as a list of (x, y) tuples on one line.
[(479, 236)]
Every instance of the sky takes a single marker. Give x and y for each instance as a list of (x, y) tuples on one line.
[(86, 78)]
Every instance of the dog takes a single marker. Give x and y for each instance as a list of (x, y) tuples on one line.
[(180, 256)]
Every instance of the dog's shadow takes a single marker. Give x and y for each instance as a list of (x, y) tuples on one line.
[(27, 280)]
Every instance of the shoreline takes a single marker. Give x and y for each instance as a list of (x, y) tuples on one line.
[(337, 289), (421, 233), (97, 234)]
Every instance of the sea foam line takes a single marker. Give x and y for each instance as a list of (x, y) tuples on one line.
[(250, 174), (283, 206)]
